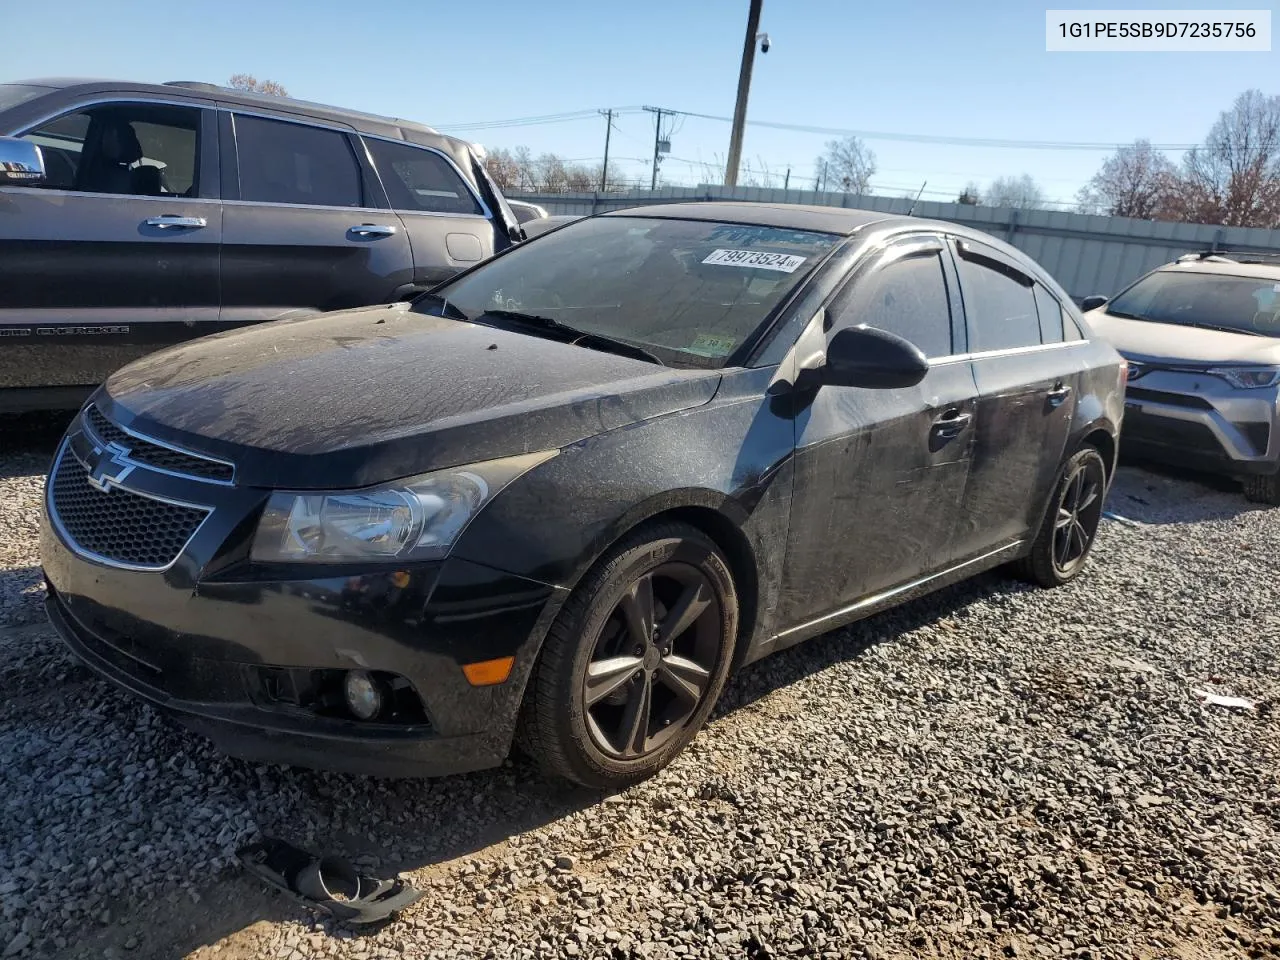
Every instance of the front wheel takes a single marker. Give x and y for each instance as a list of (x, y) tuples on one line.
[(1071, 523), (635, 661)]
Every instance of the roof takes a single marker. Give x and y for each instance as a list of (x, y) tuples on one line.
[(366, 122), (789, 216)]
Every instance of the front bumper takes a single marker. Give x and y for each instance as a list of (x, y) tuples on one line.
[(199, 646), (1194, 420)]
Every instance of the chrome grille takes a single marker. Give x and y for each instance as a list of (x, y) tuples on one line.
[(119, 527), (156, 455)]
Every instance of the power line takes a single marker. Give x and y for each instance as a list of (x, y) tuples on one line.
[(987, 142)]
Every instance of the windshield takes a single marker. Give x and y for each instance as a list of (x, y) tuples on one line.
[(12, 94), (689, 291), (1217, 301)]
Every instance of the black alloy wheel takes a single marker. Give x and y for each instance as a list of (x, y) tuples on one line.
[(1079, 512), (1070, 524), (635, 661), (653, 662)]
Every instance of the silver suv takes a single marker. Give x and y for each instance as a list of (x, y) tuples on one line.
[(1202, 337)]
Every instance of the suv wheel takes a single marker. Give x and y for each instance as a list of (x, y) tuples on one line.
[(634, 662), (1263, 489), (1071, 523)]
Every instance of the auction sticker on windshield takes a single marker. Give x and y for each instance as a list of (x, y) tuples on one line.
[(782, 262)]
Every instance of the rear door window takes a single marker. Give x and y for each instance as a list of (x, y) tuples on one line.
[(419, 179), (999, 304), (285, 162)]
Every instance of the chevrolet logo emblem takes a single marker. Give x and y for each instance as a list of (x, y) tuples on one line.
[(108, 467)]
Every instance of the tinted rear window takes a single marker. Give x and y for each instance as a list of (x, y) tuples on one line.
[(1001, 312), (418, 179), (282, 162), (1244, 304)]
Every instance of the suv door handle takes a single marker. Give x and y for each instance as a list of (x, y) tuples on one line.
[(951, 423), (1058, 394), (169, 221), (372, 230)]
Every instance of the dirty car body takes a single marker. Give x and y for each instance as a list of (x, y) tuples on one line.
[(184, 499)]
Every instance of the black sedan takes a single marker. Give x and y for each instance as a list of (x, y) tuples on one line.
[(559, 498)]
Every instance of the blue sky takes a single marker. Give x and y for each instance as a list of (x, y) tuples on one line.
[(933, 67)]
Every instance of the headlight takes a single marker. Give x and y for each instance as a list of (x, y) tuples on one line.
[(418, 518), (1248, 378)]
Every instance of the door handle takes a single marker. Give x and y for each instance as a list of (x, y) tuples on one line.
[(169, 221), (1058, 395), (372, 230), (951, 423)]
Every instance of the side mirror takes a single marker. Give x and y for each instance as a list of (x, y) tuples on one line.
[(21, 162), (1093, 302), (869, 357)]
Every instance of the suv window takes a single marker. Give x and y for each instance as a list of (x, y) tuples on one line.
[(1001, 311), (147, 150), (285, 162), (907, 297), (418, 179)]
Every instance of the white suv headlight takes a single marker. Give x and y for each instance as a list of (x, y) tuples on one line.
[(1248, 378), (415, 519)]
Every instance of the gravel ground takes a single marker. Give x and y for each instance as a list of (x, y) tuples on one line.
[(992, 771)]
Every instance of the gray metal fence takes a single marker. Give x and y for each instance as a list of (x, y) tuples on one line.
[(1086, 254)]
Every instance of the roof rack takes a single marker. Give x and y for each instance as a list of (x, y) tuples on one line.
[(1233, 256), (194, 85)]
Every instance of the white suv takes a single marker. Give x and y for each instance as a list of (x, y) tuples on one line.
[(1202, 337)]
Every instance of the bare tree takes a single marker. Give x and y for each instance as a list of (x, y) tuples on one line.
[(848, 165), (502, 166), (1234, 178), (250, 83), (1021, 192), (970, 195), (580, 179), (1136, 181)]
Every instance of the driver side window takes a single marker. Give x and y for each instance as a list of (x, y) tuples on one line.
[(907, 297)]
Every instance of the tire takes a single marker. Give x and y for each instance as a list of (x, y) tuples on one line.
[(1263, 489), (1070, 523), (603, 663)]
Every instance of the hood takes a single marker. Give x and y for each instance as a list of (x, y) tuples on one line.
[(364, 396), (1173, 343)]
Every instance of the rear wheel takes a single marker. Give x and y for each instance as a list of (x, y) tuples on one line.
[(1071, 523), (635, 661), (1263, 489)]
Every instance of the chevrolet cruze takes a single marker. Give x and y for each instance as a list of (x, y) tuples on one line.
[(559, 498)]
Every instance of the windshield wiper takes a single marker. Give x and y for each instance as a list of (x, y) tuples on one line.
[(1222, 328), (612, 344)]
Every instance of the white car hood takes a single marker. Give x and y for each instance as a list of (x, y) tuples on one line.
[(1179, 344)]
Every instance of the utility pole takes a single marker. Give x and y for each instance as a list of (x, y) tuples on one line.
[(744, 87), (787, 182), (657, 140), (604, 171)]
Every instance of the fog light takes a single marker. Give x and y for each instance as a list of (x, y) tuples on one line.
[(364, 699)]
